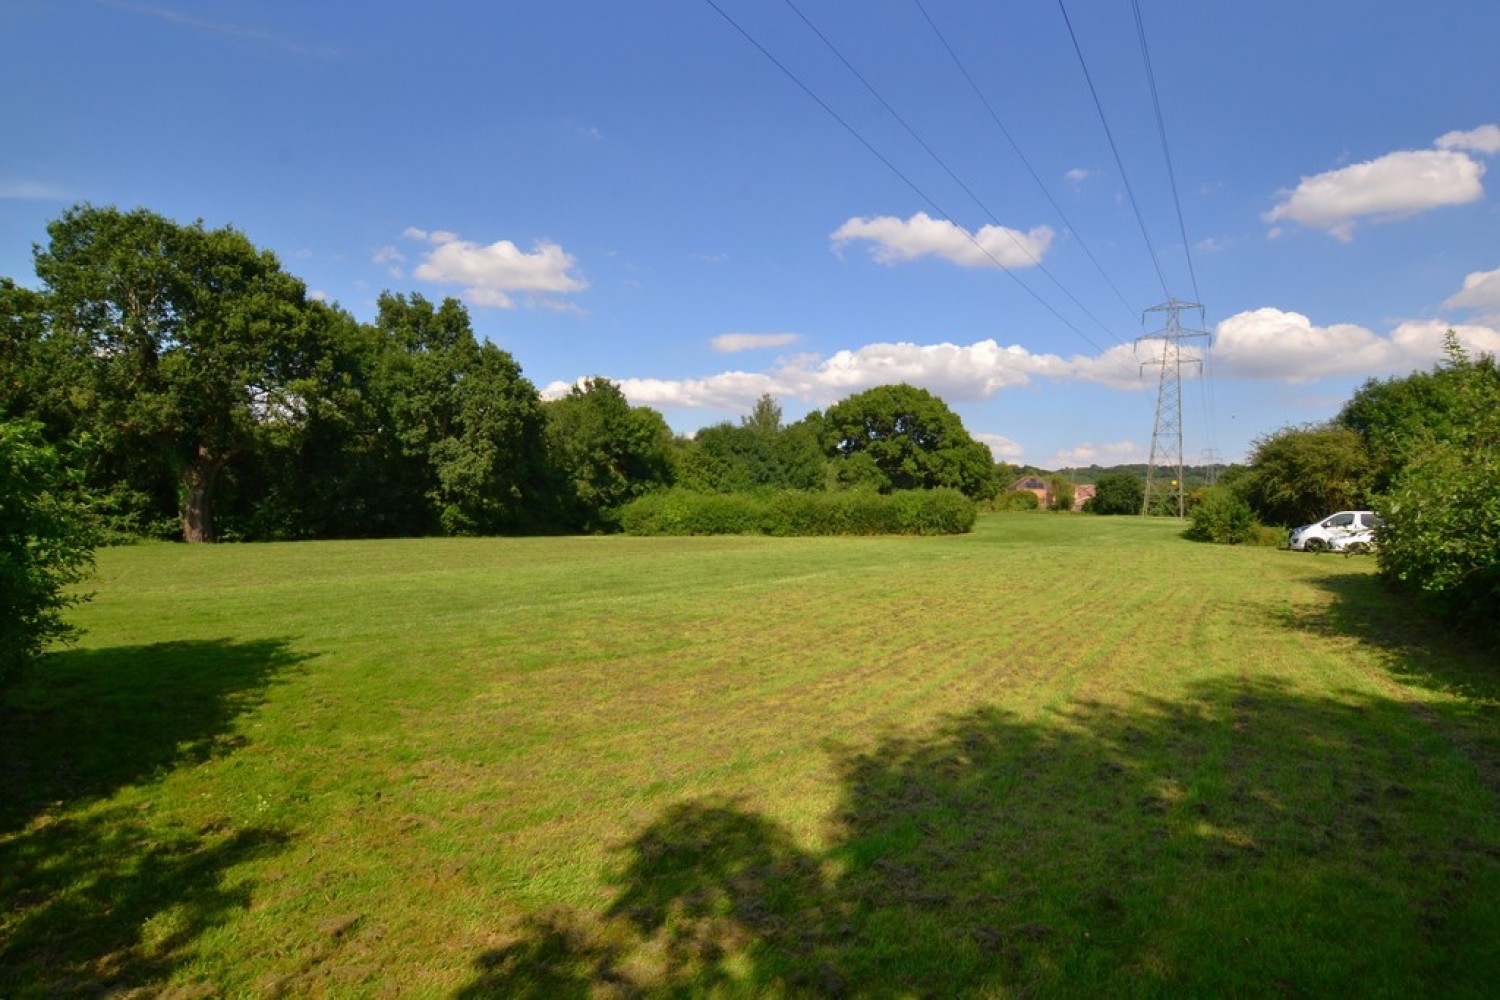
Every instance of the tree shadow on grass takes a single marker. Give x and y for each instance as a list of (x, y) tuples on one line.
[(1247, 840), (92, 721), (95, 898), (1414, 647)]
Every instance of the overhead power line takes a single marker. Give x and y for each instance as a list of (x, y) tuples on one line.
[(915, 188), (1166, 152), (827, 42), (1114, 148), (1206, 386), (1015, 146)]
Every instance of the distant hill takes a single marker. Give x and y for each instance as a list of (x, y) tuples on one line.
[(1193, 475)]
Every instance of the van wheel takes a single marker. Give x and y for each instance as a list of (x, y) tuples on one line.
[(1315, 545), (1357, 548)]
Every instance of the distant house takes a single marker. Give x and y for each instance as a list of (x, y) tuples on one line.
[(1037, 485), (1044, 495)]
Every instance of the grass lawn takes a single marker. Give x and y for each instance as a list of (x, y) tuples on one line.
[(1059, 756)]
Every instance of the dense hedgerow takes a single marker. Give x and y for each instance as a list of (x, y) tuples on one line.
[(792, 513)]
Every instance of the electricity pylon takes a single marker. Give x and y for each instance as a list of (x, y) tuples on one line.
[(1166, 435)]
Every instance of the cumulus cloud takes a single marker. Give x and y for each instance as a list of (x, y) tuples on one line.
[(1084, 455), (953, 371), (1481, 292), (488, 274), (1392, 186), (1287, 346), (1002, 448), (1484, 139), (729, 343), (1077, 175), (896, 241)]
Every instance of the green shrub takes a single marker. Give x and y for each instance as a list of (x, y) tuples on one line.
[(46, 544), (685, 512), (1442, 533), (1117, 493), (1015, 500), (1223, 517), (794, 513), (942, 511)]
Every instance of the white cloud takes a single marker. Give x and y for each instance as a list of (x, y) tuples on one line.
[(1262, 344), (1420, 342), (1481, 292), (318, 295), (1484, 139), (1002, 448), (954, 372), (921, 235), (1077, 175), (1288, 347), (1084, 455), (386, 255), (1393, 186), (489, 273), (22, 190), (729, 343)]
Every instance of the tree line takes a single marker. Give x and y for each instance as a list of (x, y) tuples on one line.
[(201, 393)]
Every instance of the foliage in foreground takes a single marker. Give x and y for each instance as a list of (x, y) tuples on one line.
[(1441, 540), (46, 544), (792, 512)]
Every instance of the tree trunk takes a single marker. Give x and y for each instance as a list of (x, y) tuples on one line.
[(197, 496)]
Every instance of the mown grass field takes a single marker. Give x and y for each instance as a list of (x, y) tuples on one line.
[(1059, 756)]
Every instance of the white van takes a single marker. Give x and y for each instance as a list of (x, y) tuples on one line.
[(1316, 537)]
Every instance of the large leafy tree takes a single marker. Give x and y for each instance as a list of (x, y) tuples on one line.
[(469, 429), (912, 438), (1299, 474), (192, 337), (322, 467), (1400, 419), (606, 451), (757, 452)]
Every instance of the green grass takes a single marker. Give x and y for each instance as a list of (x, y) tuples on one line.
[(1059, 756)]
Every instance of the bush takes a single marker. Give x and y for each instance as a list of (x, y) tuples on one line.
[(685, 512), (1015, 500), (1223, 517), (793, 513), (46, 544), (1117, 493), (1442, 533), (942, 511)]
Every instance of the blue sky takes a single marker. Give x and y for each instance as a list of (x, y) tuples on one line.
[(635, 190)]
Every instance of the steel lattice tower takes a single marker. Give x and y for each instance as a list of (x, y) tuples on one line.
[(1166, 435)]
